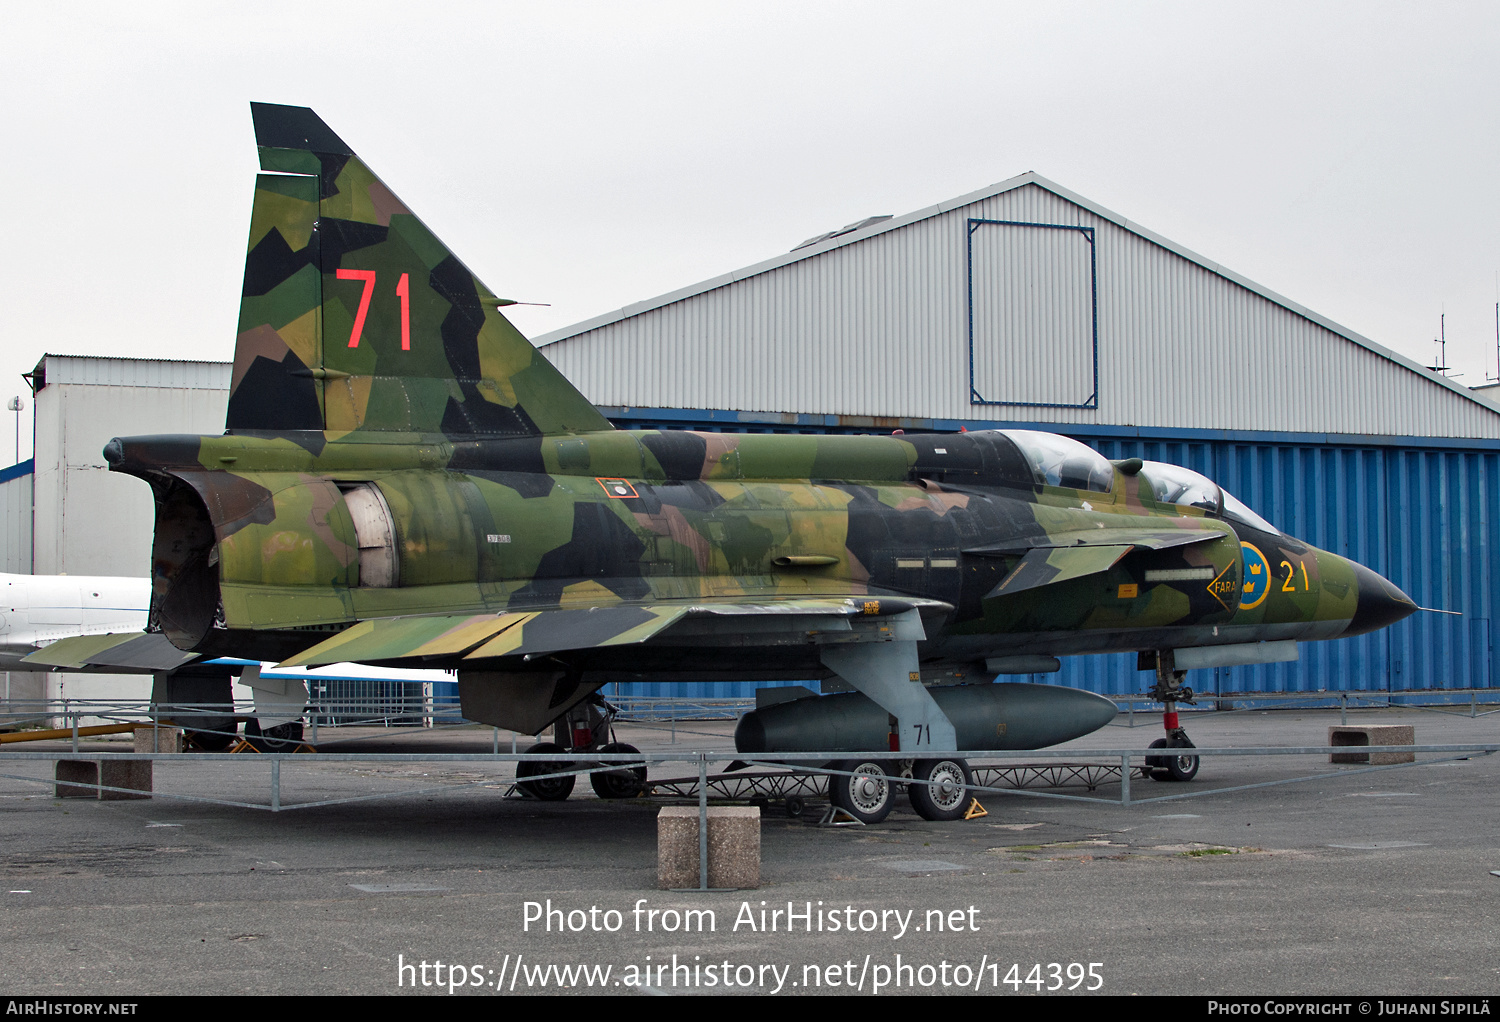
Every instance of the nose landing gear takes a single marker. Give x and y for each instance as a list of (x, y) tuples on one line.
[(1169, 690)]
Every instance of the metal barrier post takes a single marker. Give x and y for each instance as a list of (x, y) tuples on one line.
[(702, 821), (275, 785), (75, 732), (1124, 780), (1343, 708), (495, 740)]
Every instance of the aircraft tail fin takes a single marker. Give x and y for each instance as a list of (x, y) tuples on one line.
[(355, 317)]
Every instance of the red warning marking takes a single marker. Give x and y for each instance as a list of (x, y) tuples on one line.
[(619, 489)]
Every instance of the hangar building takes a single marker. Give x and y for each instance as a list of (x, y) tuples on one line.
[(1025, 305)]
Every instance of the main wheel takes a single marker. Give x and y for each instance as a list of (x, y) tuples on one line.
[(279, 738), (625, 782), (213, 741), (947, 797), (211, 734), (867, 795), (550, 789), (1179, 767)]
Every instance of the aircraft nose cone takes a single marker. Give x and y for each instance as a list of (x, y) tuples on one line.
[(1380, 602)]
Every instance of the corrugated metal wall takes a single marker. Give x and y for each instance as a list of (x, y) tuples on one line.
[(878, 327), (1421, 517), (15, 518), (136, 372)]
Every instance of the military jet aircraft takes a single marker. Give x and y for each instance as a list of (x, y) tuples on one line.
[(404, 480)]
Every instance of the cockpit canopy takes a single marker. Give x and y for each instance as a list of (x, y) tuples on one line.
[(1060, 461), (1173, 484), (1028, 458)]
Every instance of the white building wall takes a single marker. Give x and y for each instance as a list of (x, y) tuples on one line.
[(877, 326), (88, 520)]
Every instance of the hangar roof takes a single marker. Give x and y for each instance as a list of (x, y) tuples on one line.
[(680, 320)]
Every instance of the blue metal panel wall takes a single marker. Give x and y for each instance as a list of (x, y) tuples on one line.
[(694, 689), (1421, 516)]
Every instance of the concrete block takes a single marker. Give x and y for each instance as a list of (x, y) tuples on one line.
[(733, 846), (134, 773), (1365, 736), (78, 771), (73, 773), (159, 739)]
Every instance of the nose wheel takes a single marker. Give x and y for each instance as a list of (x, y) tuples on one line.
[(1176, 767)]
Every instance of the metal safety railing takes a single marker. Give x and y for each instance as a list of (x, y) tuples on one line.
[(816, 763), (823, 764), (433, 710), (1433, 700)]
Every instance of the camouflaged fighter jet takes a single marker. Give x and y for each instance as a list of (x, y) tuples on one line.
[(404, 480)]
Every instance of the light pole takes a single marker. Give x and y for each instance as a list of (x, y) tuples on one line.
[(16, 404)]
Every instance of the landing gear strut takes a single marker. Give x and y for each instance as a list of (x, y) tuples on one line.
[(1169, 690)]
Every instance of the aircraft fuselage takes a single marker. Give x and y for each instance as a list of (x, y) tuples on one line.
[(311, 535)]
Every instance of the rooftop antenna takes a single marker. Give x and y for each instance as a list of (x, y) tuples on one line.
[(1441, 340), (1497, 333)]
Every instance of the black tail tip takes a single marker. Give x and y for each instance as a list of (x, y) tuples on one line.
[(294, 127)]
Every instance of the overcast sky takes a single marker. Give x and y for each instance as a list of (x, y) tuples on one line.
[(589, 155)]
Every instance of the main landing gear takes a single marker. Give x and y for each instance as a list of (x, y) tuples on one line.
[(1170, 691), (868, 795), (588, 727), (868, 791)]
